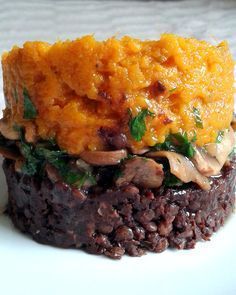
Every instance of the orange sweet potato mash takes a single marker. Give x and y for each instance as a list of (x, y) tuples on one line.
[(80, 86)]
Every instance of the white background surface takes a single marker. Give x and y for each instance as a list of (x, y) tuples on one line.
[(30, 268)]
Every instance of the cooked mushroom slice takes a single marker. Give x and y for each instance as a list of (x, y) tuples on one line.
[(142, 151), (7, 130), (52, 173), (182, 168), (222, 150), (18, 165), (103, 158), (30, 132), (9, 154), (142, 171), (205, 164), (83, 166)]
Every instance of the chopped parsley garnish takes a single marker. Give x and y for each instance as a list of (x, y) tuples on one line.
[(78, 179), (30, 111), (194, 138), (171, 180), (137, 124), (179, 143), (31, 164), (47, 152), (130, 156), (220, 136), (52, 156), (118, 173), (197, 117)]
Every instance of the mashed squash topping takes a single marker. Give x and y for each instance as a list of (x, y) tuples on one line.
[(143, 89)]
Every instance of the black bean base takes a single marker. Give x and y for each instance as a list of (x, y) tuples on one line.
[(117, 221)]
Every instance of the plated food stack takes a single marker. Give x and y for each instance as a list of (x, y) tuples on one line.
[(119, 146)]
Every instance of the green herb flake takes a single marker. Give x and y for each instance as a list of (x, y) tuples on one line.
[(17, 128), (194, 138), (51, 156), (91, 178), (137, 124), (31, 164), (130, 156), (171, 180), (220, 136), (177, 142), (47, 152), (197, 117), (118, 173), (70, 177), (78, 179), (30, 111)]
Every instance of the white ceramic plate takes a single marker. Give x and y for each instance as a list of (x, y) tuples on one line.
[(29, 268)]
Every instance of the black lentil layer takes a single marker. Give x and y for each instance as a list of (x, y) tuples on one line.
[(115, 221)]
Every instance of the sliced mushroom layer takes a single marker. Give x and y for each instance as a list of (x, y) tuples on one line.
[(140, 151), (220, 151), (83, 166), (18, 164), (206, 164), (52, 173), (103, 158), (142, 171), (30, 133), (7, 130), (9, 154), (182, 168)]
